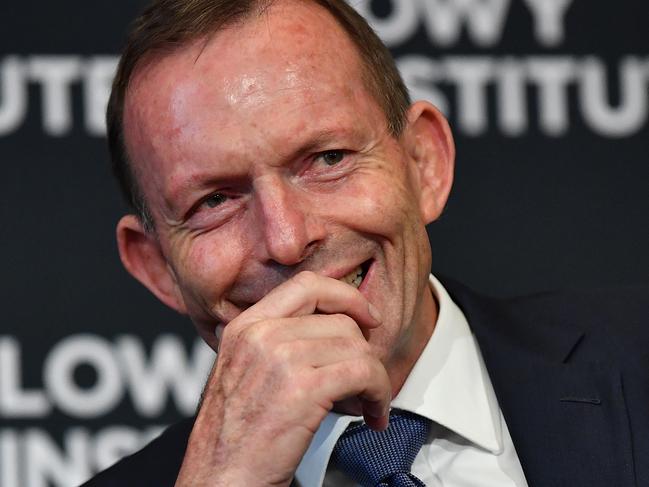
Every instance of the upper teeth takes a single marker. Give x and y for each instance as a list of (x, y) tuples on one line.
[(354, 278)]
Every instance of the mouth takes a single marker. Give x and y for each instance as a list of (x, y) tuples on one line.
[(356, 276)]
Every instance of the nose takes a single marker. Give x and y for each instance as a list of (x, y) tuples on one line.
[(288, 227)]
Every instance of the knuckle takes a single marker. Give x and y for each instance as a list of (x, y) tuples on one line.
[(228, 335), (355, 346), (352, 332), (283, 353), (362, 369), (363, 347), (302, 388), (345, 321), (305, 278), (255, 336)]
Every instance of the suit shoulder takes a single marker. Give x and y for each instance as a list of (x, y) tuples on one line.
[(626, 307), (157, 464), (614, 318), (604, 325)]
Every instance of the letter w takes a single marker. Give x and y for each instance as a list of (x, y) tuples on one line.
[(169, 370), (484, 19)]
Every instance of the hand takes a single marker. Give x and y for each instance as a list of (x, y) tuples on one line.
[(280, 368)]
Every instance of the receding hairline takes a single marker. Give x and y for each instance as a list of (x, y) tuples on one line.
[(261, 8), (198, 23), (199, 43)]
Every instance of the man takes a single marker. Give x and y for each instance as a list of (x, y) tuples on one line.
[(283, 183)]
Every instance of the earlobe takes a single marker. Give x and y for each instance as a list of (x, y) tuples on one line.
[(142, 257), (431, 145)]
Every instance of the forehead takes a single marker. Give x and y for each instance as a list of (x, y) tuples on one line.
[(288, 43), (289, 69)]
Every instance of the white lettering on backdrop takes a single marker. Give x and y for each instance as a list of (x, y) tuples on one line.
[(122, 369), (32, 458), (125, 373), (55, 76), (460, 85), (444, 20)]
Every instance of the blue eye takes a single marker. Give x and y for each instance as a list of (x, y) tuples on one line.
[(332, 157), (215, 200)]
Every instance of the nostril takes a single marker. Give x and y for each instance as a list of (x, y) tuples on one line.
[(310, 249)]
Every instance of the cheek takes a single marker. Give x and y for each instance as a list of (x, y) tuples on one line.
[(383, 205), (209, 264)]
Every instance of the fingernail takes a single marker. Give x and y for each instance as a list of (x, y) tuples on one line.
[(376, 314)]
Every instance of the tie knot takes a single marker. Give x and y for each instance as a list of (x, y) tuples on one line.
[(382, 458)]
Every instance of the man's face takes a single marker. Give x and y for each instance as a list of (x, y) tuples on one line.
[(261, 153)]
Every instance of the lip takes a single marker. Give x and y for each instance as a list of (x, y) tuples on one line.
[(342, 272), (368, 267), (336, 273), (368, 275)]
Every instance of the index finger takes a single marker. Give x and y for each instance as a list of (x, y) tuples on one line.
[(307, 293)]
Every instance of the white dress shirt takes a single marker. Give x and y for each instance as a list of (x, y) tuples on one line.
[(469, 443)]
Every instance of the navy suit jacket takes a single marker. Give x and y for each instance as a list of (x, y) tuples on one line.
[(571, 374)]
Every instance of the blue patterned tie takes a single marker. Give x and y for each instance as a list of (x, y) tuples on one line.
[(382, 459)]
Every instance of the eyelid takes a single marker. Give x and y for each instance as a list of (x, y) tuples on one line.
[(319, 155), (223, 197), (201, 201)]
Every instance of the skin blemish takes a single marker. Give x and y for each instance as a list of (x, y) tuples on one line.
[(246, 90)]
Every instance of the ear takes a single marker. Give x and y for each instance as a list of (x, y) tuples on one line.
[(143, 258), (430, 144)]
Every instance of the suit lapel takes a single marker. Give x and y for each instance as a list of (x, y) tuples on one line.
[(568, 420)]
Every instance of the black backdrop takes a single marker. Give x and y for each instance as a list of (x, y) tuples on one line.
[(548, 100)]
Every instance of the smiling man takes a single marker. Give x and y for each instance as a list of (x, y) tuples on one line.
[(282, 182)]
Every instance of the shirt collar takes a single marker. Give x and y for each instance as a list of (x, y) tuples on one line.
[(449, 384)]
